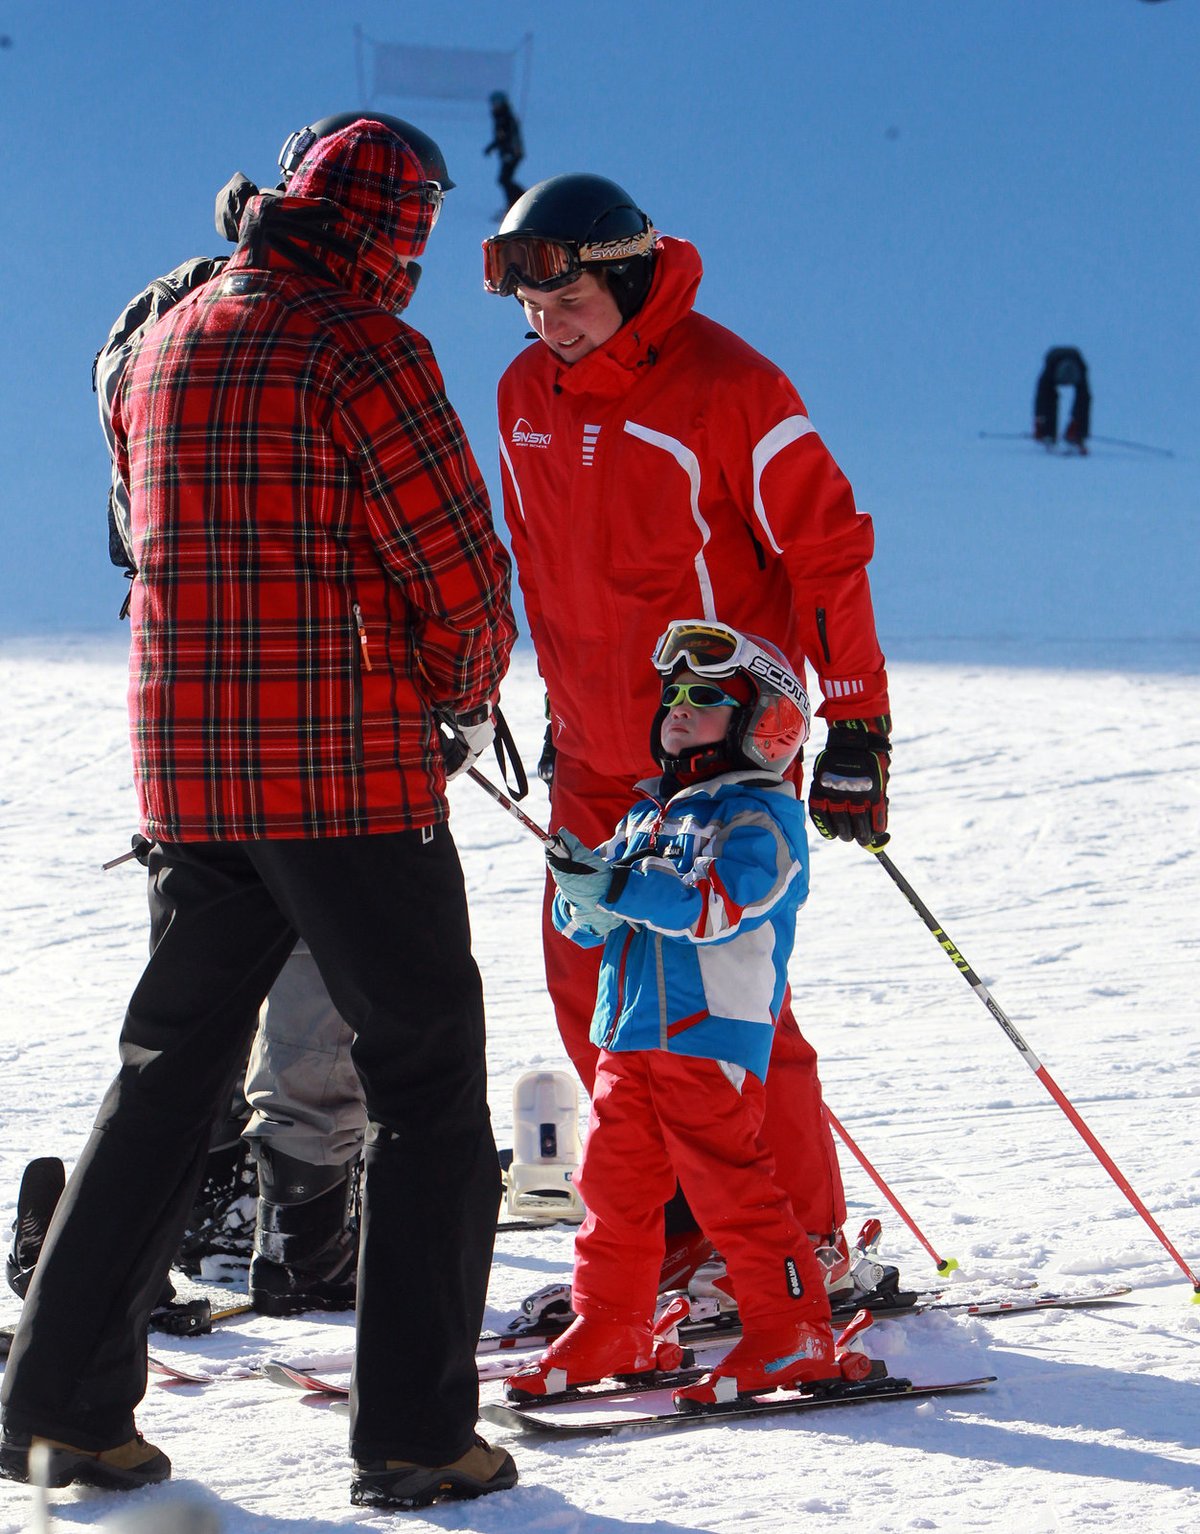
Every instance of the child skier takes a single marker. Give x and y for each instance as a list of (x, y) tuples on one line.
[(694, 899)]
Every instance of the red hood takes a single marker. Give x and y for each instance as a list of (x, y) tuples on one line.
[(346, 206), (611, 368)]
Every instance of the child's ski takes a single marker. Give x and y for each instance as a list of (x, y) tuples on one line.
[(583, 1419)]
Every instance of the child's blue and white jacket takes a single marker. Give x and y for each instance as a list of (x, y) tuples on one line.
[(708, 885)]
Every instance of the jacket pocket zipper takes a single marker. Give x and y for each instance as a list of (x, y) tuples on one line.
[(362, 637), (823, 636)]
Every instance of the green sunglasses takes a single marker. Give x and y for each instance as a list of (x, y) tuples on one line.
[(697, 694)]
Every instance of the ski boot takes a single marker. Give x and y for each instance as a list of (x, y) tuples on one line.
[(539, 1180), (854, 1276), (594, 1347), (686, 1252), (785, 1355), (548, 1308), (306, 1241), (710, 1290), (42, 1184)]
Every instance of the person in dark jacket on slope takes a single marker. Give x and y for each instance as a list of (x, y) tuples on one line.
[(317, 576)]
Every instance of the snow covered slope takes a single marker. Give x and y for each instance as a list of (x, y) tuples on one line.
[(1050, 819)]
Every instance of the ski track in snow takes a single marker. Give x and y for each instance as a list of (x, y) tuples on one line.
[(1049, 819)]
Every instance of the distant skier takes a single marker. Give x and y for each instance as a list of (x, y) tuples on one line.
[(1064, 368), (507, 143)]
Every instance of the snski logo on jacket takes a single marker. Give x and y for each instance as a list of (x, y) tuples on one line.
[(523, 435)]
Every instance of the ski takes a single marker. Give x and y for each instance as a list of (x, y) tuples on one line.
[(1015, 1304), (539, 1222), (578, 1419), (168, 1374), (531, 1332), (281, 1373), (517, 1348)]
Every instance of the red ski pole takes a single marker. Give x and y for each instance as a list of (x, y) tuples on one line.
[(1031, 1060), (944, 1264), (506, 803)]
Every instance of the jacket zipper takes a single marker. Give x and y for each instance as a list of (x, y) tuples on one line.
[(612, 1027), (823, 636), (362, 637)]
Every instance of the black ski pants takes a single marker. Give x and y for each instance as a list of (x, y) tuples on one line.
[(386, 920)]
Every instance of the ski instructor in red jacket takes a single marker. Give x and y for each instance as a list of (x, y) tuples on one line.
[(656, 467), (318, 578)]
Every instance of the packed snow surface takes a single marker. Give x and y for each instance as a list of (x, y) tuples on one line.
[(1050, 818)]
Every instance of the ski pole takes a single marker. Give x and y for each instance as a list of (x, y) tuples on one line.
[(1031, 1060), (506, 803), (1142, 447), (944, 1264), (1027, 436)]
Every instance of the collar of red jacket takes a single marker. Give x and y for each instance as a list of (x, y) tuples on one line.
[(612, 368)]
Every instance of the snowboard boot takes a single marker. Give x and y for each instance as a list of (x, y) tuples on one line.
[(400, 1483), (124, 1468), (221, 1219), (594, 1347), (42, 1184), (306, 1241)]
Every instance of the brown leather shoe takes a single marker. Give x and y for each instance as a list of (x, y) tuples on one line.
[(403, 1484), (124, 1468)]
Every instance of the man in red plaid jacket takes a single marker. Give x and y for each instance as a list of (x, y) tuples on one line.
[(318, 579)]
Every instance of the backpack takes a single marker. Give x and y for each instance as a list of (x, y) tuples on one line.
[(146, 309)]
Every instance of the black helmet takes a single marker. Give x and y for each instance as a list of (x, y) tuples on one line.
[(571, 224), (298, 144)]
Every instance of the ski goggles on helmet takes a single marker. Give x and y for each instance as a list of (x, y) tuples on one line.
[(512, 261), (297, 145), (696, 695), (432, 194), (714, 649)]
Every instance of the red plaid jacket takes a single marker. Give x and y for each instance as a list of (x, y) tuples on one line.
[(317, 565)]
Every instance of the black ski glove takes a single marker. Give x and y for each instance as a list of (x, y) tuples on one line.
[(464, 738), (848, 798), (545, 766)]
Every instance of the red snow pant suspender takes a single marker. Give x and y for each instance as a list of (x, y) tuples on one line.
[(657, 1116), (794, 1125)]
